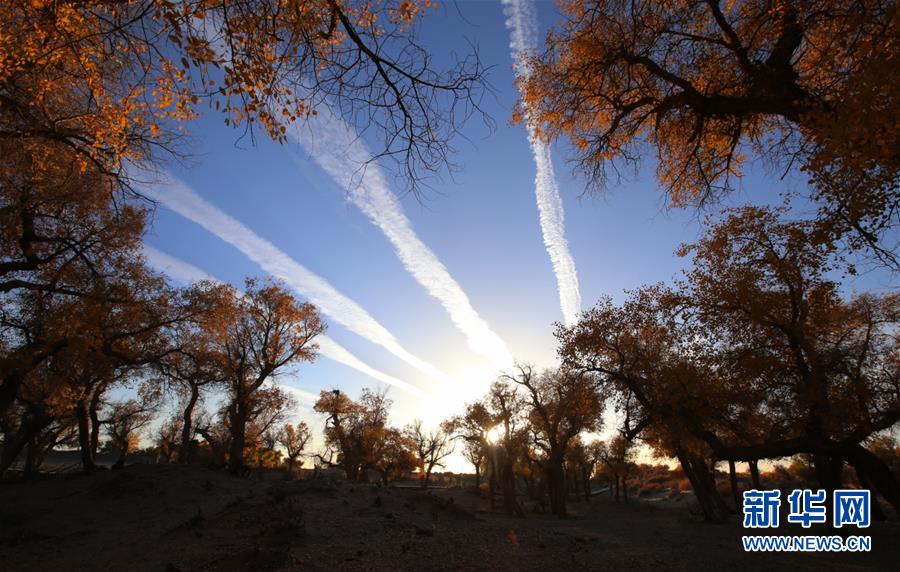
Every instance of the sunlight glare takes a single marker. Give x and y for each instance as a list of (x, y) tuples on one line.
[(493, 436)]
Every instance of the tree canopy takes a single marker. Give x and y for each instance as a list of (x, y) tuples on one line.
[(705, 85), (115, 81)]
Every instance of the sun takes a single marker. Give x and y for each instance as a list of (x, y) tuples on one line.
[(494, 434)]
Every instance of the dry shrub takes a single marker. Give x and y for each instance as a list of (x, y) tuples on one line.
[(724, 489), (650, 488), (660, 479)]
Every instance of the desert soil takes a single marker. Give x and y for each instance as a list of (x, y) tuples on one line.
[(164, 518)]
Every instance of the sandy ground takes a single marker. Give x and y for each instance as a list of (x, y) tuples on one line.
[(167, 519)]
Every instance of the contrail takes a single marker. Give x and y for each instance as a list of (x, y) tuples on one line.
[(338, 150), (186, 273), (522, 25), (175, 268), (306, 398), (340, 354), (179, 198), (340, 153)]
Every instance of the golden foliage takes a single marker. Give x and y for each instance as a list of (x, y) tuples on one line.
[(705, 84), (114, 80)]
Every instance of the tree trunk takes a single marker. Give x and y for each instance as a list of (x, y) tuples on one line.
[(556, 481), (185, 451), (732, 475), (95, 420), (707, 476), (541, 491), (531, 486), (754, 473), (120, 462), (697, 472), (13, 446), (32, 457), (238, 422), (616, 479), (9, 388), (42, 451), (290, 467), (492, 484), (84, 437), (477, 476), (508, 484), (18, 365), (828, 472), (586, 482), (218, 447), (866, 483), (878, 473)]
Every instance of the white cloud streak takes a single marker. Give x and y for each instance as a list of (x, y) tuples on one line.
[(187, 273), (303, 397), (179, 198), (340, 152), (522, 25), (175, 268), (338, 353)]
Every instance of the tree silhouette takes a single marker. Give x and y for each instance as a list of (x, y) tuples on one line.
[(272, 331), (561, 405), (617, 460), (394, 455), (355, 431), (124, 421), (431, 448), (472, 428), (505, 404), (196, 360), (754, 356), (824, 365), (294, 440), (584, 459)]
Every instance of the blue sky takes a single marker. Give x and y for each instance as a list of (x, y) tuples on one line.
[(482, 225)]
